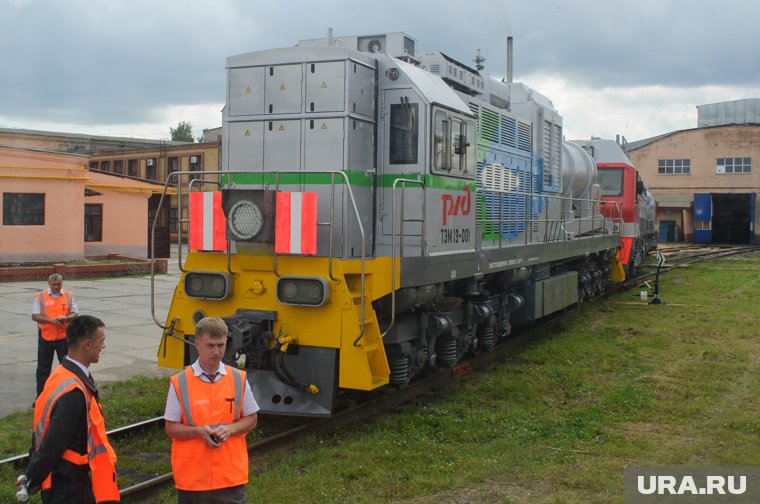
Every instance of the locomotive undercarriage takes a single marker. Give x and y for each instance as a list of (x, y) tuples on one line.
[(437, 325)]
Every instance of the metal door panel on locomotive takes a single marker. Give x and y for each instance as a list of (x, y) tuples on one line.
[(448, 210)]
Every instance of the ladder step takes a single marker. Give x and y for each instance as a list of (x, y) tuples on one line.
[(371, 347)]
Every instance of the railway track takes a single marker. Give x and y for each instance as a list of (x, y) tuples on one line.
[(147, 490), (119, 432), (676, 256), (680, 255)]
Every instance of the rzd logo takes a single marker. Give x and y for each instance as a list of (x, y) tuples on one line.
[(458, 206)]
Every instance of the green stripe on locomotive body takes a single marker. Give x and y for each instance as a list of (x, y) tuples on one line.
[(359, 179), (355, 178)]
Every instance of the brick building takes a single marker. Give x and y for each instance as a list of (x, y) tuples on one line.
[(55, 209), (702, 178), (139, 159), (155, 164)]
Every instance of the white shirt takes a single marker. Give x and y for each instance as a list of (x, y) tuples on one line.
[(84, 368), (36, 309), (173, 411)]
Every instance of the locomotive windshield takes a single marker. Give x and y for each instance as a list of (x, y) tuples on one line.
[(611, 180)]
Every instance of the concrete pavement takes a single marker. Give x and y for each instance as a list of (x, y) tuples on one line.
[(123, 303)]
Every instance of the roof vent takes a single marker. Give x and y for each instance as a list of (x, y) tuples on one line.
[(372, 44)]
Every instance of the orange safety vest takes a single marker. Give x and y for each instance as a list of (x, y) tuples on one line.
[(196, 466), (100, 455), (54, 307)]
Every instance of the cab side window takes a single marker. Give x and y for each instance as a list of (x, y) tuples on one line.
[(453, 145), (404, 123), (441, 147), (458, 140)]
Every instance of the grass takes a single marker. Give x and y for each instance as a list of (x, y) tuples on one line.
[(614, 384)]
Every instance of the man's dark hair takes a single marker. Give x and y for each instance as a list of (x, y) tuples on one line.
[(82, 327)]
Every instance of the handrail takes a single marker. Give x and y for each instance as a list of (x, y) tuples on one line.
[(403, 181), (167, 183), (330, 224), (553, 228), (153, 253), (183, 221)]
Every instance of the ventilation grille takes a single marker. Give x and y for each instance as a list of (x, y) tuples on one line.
[(475, 109), (505, 131), (524, 137), (542, 272), (552, 155), (504, 211)]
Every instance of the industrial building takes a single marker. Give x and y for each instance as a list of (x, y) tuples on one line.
[(155, 164), (127, 160), (55, 209), (702, 178)]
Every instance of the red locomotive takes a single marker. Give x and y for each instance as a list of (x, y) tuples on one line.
[(622, 185)]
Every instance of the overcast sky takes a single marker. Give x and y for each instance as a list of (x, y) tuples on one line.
[(138, 67)]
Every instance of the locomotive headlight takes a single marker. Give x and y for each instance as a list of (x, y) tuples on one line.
[(303, 291), (245, 220), (208, 285)]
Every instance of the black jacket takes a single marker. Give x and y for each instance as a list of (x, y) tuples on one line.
[(67, 429)]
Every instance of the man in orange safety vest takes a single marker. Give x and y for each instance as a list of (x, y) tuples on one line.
[(209, 410), (71, 459), (53, 309)]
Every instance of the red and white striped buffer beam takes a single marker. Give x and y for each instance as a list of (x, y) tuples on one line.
[(208, 229), (295, 229)]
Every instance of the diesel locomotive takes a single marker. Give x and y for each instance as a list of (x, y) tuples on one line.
[(621, 184), (381, 212)]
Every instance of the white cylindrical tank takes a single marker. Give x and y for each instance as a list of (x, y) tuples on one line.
[(578, 171)]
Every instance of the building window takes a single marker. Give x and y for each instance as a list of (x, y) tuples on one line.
[(132, 167), (674, 167), (150, 169), (173, 164), (93, 165), (195, 166), (93, 222), (105, 166), (173, 221), (733, 165), (23, 209), (118, 166), (195, 161)]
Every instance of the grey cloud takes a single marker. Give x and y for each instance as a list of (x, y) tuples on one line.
[(115, 62)]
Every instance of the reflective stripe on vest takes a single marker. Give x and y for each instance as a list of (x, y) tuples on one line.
[(184, 396), (100, 455), (49, 331), (195, 465), (74, 457), (41, 300), (52, 398)]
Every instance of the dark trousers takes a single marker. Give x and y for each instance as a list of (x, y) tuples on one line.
[(69, 489), (230, 495), (45, 351)]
